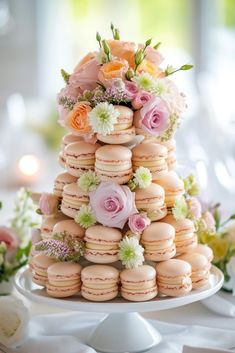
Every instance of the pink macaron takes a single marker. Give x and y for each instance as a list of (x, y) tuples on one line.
[(61, 180), (72, 199), (173, 186), (174, 277), (48, 223), (138, 284), (171, 156), (99, 283), (69, 230), (41, 263), (102, 244), (203, 250)]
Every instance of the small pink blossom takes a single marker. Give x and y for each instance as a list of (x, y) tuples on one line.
[(112, 204), (138, 222), (195, 208), (86, 76), (131, 89), (141, 98), (9, 237), (209, 220), (48, 203)]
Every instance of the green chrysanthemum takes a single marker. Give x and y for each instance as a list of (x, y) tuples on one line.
[(191, 185), (88, 181), (180, 209), (142, 177), (131, 252), (85, 216), (103, 117), (144, 81)]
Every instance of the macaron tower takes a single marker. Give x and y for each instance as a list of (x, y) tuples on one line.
[(119, 214)]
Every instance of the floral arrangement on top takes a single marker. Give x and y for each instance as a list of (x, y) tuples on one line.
[(123, 73)]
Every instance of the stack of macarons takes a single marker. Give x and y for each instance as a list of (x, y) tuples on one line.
[(113, 163), (123, 131), (72, 199), (152, 156), (41, 263), (152, 201), (66, 140), (61, 180), (80, 157), (173, 186)]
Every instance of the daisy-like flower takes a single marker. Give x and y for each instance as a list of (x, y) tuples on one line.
[(85, 216), (180, 209), (88, 181), (142, 177), (103, 117), (145, 81), (131, 252)]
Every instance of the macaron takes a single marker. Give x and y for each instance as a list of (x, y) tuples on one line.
[(113, 163), (173, 186), (152, 201), (185, 236), (48, 223), (123, 130), (41, 263), (70, 138), (61, 180), (152, 156), (61, 160), (72, 199), (203, 250), (171, 157), (138, 284), (64, 279), (70, 229), (174, 277), (200, 268), (99, 283), (80, 157), (158, 241), (102, 244)]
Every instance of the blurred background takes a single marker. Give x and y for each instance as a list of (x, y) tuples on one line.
[(39, 37)]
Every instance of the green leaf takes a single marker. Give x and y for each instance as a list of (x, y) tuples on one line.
[(65, 75), (148, 42), (116, 34), (112, 26), (156, 46), (186, 67)]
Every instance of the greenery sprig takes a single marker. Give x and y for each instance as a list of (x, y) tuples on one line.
[(140, 54), (170, 70), (115, 32), (65, 75)]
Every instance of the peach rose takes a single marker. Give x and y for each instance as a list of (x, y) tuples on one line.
[(148, 66), (77, 120), (111, 70), (89, 56), (123, 50)]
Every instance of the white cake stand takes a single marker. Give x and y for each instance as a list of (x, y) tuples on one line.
[(123, 329)]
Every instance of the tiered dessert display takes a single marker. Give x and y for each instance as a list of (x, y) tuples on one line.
[(120, 226)]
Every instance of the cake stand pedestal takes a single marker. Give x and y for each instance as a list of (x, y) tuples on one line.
[(123, 330)]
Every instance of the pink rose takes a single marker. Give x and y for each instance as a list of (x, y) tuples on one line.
[(112, 204), (48, 203), (131, 89), (35, 235), (86, 76), (138, 222), (141, 99), (153, 116), (9, 237), (195, 208), (209, 221), (71, 94)]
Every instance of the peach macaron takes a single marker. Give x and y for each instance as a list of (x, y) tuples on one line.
[(174, 277), (41, 263), (151, 156), (72, 199), (113, 163), (48, 223), (173, 186), (152, 201), (138, 284), (61, 180), (203, 250), (80, 157), (158, 241), (123, 130), (99, 283), (70, 229), (171, 153), (64, 279), (102, 244)]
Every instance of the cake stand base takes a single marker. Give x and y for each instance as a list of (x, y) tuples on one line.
[(118, 333)]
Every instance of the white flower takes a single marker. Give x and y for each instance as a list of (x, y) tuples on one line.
[(14, 317), (88, 181), (131, 252), (103, 117), (230, 267), (145, 81), (142, 177)]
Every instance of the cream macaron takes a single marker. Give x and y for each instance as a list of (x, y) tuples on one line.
[(203, 250), (200, 268), (185, 236), (152, 201), (102, 244), (174, 277), (99, 283), (70, 229), (173, 186), (41, 263), (72, 199), (138, 284), (64, 279), (48, 223), (61, 180), (158, 241), (66, 140), (113, 163), (171, 153), (123, 130), (80, 157), (151, 156)]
